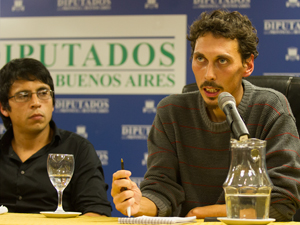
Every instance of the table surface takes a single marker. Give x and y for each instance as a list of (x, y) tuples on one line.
[(38, 219)]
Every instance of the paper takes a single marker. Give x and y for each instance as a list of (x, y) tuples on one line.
[(156, 220)]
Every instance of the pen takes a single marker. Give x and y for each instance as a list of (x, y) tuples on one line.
[(124, 188)]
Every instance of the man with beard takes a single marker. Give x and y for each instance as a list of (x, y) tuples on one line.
[(188, 146)]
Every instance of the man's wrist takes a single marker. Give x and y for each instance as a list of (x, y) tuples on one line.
[(147, 208)]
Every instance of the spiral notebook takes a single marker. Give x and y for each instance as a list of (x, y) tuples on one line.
[(155, 220)]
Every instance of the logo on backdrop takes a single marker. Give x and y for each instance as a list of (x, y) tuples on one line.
[(2, 128), (135, 132), (209, 4), (103, 61), (292, 3), (149, 106), (18, 6), (292, 54), (281, 26), (144, 160), (137, 180), (82, 105), (81, 130), (67, 5), (151, 4), (103, 156)]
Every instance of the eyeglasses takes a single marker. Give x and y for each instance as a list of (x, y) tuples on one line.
[(25, 96)]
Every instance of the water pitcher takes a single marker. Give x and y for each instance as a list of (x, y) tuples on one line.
[(248, 186)]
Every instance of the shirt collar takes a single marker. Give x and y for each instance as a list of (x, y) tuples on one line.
[(6, 138), (56, 135)]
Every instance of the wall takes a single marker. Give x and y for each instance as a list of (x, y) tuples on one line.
[(112, 61)]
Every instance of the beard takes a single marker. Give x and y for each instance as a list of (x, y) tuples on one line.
[(211, 106)]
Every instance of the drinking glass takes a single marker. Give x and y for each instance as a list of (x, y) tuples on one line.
[(60, 169)]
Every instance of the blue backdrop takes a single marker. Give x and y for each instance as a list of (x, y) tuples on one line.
[(118, 123)]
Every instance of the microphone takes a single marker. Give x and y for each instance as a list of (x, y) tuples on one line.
[(227, 104)]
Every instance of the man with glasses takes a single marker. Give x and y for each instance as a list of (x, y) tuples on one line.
[(26, 105)]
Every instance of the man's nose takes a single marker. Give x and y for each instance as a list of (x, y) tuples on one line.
[(210, 72), (35, 101)]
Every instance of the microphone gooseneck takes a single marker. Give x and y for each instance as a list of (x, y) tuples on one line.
[(237, 126)]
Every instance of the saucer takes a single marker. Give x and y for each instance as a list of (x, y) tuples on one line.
[(231, 221), (60, 215)]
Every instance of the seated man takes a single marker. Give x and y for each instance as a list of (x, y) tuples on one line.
[(26, 104), (188, 145)]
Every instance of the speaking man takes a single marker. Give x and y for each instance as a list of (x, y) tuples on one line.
[(188, 145)]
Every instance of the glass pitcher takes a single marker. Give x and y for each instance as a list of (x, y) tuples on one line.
[(248, 186)]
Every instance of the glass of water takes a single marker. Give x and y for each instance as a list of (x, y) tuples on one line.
[(60, 169)]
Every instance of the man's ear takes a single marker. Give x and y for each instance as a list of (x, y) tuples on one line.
[(249, 66), (4, 111)]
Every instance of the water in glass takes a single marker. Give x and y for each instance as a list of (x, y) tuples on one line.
[(60, 169), (248, 185)]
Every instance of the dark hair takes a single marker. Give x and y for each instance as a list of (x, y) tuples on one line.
[(21, 69), (226, 24)]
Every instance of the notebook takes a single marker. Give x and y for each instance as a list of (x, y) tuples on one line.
[(155, 220)]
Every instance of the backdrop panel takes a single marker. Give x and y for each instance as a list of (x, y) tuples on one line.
[(112, 61)]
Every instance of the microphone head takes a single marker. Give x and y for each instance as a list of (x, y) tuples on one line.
[(225, 97)]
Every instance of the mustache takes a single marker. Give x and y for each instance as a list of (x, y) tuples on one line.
[(211, 84)]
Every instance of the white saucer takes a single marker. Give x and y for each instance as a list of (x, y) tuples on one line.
[(231, 221), (60, 215)]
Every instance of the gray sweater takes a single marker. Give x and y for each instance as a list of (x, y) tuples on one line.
[(188, 154)]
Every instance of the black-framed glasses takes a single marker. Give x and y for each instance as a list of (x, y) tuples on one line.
[(25, 96)]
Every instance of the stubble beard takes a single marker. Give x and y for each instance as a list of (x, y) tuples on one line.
[(211, 106)]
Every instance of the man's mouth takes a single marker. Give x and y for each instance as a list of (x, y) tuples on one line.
[(211, 90), (36, 116)]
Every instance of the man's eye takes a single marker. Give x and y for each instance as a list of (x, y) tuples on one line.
[(223, 61), (43, 92), (22, 95), (200, 59)]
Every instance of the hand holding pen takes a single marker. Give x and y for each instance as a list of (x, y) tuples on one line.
[(131, 198), (124, 188)]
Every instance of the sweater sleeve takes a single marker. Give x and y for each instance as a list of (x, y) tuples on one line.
[(269, 117), (283, 164), (162, 184)]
